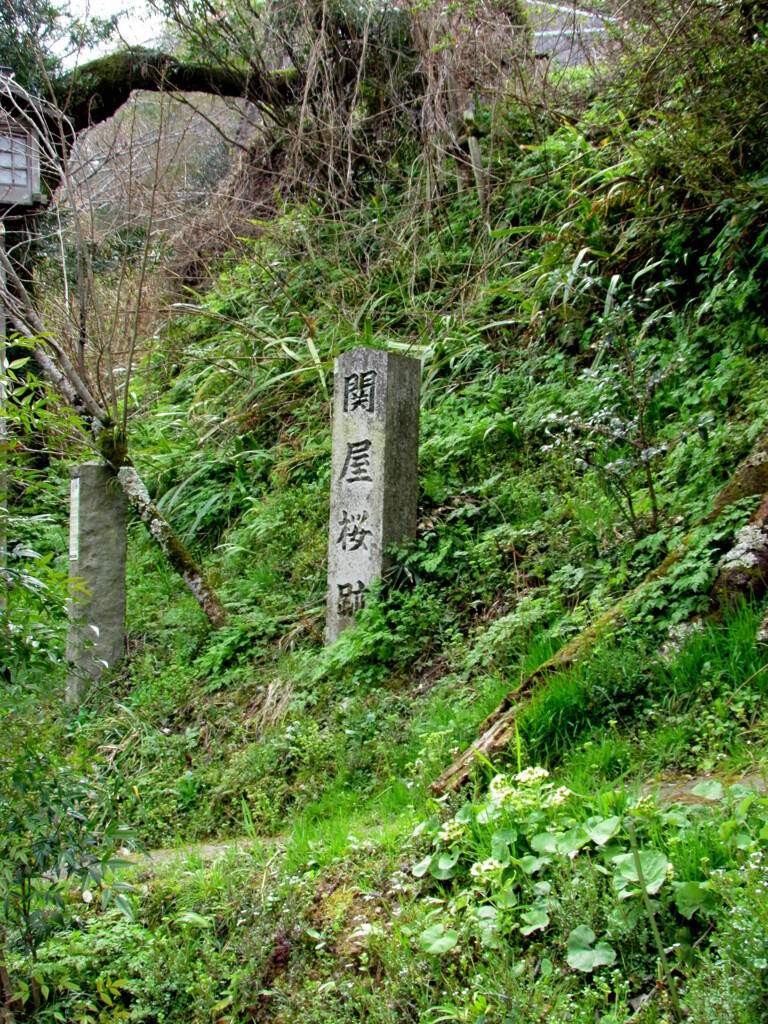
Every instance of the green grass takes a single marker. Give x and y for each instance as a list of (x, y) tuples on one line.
[(321, 757)]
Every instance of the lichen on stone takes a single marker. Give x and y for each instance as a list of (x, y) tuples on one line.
[(748, 551)]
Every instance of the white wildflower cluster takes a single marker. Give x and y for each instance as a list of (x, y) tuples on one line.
[(451, 831), (526, 789), (523, 792), (642, 805), (501, 790), (530, 776), (485, 869), (557, 796)]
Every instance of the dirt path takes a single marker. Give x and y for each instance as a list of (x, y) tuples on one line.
[(676, 789), (207, 852)]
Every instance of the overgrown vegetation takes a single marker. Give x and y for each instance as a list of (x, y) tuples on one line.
[(592, 342)]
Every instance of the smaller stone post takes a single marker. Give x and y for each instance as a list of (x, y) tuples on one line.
[(97, 548), (3, 424), (374, 473)]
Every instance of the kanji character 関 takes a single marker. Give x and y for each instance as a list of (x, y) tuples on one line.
[(359, 391)]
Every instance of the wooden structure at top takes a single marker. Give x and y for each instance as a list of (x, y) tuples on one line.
[(19, 147)]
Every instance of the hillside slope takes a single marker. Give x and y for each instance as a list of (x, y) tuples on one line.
[(594, 372)]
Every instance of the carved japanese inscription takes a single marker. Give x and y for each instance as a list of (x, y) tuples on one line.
[(357, 465), (360, 391), (351, 597), (373, 474), (353, 532)]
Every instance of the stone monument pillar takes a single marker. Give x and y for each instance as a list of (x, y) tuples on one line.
[(97, 546), (374, 473), (3, 425), (3, 450)]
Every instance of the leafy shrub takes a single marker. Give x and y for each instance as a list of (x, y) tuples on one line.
[(567, 877), (58, 826)]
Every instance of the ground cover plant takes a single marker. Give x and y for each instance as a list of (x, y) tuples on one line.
[(592, 342)]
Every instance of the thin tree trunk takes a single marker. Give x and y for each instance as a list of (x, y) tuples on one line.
[(110, 440), (173, 549)]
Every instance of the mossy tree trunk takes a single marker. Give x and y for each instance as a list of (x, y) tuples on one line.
[(96, 90), (174, 551)]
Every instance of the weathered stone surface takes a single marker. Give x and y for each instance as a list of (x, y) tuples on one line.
[(97, 548), (374, 473), (3, 427)]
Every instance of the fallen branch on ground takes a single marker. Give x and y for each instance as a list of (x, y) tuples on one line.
[(743, 572)]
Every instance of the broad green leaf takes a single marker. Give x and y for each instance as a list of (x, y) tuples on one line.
[(583, 955), (531, 865), (489, 936), (509, 835), (422, 867), (572, 840), (507, 897), (743, 840), (443, 865), (500, 849), (464, 813), (535, 920), (600, 830), (580, 937), (654, 866), (545, 842), (437, 939), (486, 913), (694, 898)]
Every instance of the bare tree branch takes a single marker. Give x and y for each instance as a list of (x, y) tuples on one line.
[(98, 411)]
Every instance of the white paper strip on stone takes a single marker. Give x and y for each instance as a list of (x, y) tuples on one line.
[(74, 519)]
